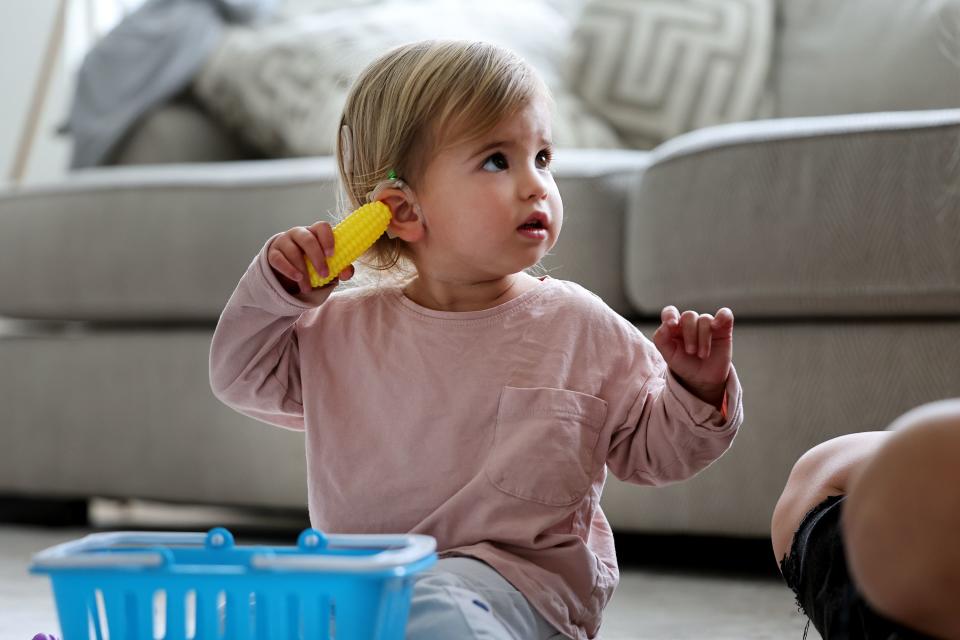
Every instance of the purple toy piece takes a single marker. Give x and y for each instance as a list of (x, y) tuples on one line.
[(44, 636)]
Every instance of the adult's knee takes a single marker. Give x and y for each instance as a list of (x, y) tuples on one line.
[(794, 501), (901, 518), (820, 472)]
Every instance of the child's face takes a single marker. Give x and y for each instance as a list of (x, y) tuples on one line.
[(491, 205)]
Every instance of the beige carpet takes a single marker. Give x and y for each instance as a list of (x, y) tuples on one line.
[(650, 604)]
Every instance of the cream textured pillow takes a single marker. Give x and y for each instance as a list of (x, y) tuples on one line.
[(657, 68), (283, 85)]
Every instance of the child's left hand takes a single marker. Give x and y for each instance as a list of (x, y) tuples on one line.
[(698, 348)]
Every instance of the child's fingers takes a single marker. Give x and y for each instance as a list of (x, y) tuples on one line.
[(703, 335), (665, 343), (669, 327), (723, 322), (324, 233), (670, 316), (310, 246), (284, 256), (688, 325), (282, 265), (662, 334)]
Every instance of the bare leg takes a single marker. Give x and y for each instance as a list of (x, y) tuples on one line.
[(902, 519), (822, 471)]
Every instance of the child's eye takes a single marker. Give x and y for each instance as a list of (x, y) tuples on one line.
[(496, 162), (544, 157)]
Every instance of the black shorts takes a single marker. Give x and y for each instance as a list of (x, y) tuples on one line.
[(816, 570)]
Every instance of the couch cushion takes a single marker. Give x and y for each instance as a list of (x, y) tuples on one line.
[(179, 131), (118, 428), (833, 216), (858, 56), (170, 242), (844, 377), (122, 428)]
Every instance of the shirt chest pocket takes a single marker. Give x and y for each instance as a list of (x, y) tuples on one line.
[(545, 445)]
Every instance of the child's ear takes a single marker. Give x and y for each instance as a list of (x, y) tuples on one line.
[(406, 223)]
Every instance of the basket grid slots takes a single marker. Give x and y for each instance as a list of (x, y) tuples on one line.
[(175, 614)]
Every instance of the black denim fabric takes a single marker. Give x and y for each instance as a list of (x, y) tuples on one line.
[(816, 570)]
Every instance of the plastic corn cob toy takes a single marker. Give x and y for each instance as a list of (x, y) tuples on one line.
[(351, 237)]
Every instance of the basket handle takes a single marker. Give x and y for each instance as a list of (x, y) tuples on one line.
[(79, 553), (399, 550)]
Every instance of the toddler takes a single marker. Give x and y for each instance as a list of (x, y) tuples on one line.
[(465, 398)]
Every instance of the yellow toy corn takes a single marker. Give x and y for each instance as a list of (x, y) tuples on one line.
[(351, 237)]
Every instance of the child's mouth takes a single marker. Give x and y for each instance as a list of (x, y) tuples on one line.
[(534, 229)]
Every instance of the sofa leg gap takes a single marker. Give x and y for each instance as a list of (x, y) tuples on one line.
[(54, 512)]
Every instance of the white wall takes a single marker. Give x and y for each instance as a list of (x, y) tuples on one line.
[(25, 26)]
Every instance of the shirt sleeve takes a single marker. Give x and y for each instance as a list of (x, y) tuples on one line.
[(254, 355), (670, 434)]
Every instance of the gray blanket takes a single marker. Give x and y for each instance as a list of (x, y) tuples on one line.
[(152, 55)]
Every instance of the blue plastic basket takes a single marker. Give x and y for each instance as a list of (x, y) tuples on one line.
[(179, 586)]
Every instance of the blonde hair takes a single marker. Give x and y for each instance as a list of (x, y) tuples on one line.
[(412, 100)]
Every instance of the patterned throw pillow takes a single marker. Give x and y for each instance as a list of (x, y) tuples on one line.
[(282, 85), (658, 68)]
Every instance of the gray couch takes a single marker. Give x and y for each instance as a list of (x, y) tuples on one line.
[(836, 241), (834, 238)]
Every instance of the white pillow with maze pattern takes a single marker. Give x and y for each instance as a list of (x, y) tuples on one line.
[(282, 86), (658, 68)]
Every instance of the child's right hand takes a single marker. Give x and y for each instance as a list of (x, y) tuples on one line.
[(286, 257)]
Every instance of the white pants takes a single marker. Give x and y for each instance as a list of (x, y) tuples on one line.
[(465, 598)]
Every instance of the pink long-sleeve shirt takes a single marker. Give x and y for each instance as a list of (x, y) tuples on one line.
[(490, 430)]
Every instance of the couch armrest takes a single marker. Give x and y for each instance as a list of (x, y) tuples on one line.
[(837, 216)]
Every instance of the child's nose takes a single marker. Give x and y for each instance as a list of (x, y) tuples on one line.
[(534, 185)]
